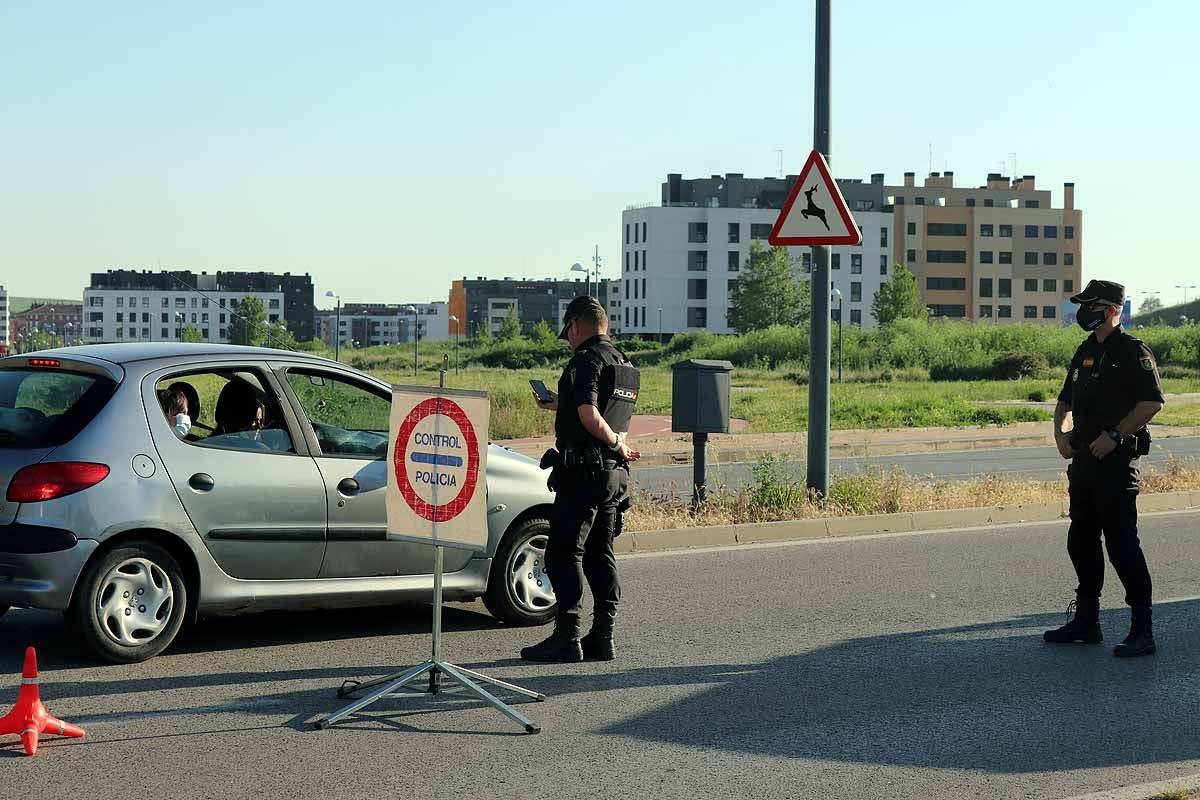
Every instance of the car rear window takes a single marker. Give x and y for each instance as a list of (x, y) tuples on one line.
[(46, 408)]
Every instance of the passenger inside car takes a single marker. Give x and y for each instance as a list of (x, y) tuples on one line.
[(175, 407)]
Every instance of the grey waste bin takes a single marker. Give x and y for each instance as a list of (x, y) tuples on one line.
[(700, 406)]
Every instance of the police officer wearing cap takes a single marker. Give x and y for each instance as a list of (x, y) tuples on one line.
[(1112, 390), (593, 407)]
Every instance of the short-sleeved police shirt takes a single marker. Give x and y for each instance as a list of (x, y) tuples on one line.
[(1107, 379), (581, 384)]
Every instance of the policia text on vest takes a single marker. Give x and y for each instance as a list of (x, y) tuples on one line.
[(1112, 389), (589, 473)]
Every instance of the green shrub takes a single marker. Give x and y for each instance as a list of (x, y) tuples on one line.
[(1010, 366), (1037, 396)]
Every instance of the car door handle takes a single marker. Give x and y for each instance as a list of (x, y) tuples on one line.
[(348, 486), (202, 482)]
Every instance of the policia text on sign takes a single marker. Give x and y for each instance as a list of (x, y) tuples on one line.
[(1112, 390), (590, 476)]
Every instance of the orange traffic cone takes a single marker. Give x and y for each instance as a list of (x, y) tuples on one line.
[(29, 717)]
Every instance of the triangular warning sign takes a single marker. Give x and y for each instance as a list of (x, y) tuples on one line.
[(820, 216)]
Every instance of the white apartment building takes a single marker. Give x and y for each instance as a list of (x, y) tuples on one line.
[(377, 324), (680, 263), (133, 315), (4, 332)]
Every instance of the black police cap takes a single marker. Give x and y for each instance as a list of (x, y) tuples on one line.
[(576, 308), (1101, 292)]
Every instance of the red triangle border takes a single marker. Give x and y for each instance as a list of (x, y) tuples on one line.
[(839, 202)]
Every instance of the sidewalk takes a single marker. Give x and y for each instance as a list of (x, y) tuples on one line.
[(653, 437)]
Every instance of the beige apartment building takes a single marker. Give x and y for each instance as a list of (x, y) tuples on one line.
[(999, 252)]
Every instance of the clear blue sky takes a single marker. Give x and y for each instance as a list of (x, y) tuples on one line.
[(388, 149)]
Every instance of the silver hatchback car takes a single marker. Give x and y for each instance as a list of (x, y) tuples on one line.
[(146, 485)]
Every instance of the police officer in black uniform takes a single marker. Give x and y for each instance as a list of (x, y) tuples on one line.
[(1112, 390), (593, 408)]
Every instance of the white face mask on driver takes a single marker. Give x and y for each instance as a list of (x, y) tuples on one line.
[(183, 425)]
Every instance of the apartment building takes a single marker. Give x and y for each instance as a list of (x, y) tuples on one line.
[(377, 324), (486, 301), (131, 306), (46, 324), (4, 332), (682, 255)]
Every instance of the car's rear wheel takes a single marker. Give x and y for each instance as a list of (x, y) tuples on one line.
[(519, 590), (130, 604)]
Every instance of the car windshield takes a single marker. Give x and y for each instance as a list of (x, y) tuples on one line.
[(45, 408)]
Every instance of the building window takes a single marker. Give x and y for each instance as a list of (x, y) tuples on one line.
[(1030, 312), (120, 302), (120, 315), (836, 261), (164, 318), (1049, 285), (883, 237), (165, 335), (759, 231), (194, 302), (644, 237), (735, 263), (943, 310), (912, 229), (985, 312), (643, 292), (627, 315), (1031, 258), (1069, 232), (635, 289), (204, 302), (96, 316), (221, 333), (697, 317), (645, 261), (145, 301), (730, 286), (204, 333), (1033, 203), (1050, 231), (636, 260), (946, 256), (970, 202), (856, 316), (697, 260), (96, 301), (985, 230), (899, 201), (166, 302), (1006, 231), (883, 265), (698, 232), (1048, 312), (945, 229), (1069, 259), (806, 259), (145, 318), (1068, 285), (985, 287), (223, 322), (856, 263), (912, 256), (1031, 284), (204, 319), (735, 233), (985, 256), (1050, 259), (1031, 231), (1004, 312), (920, 201), (627, 261), (635, 233), (120, 333), (181, 302), (856, 291), (988, 202), (946, 284), (272, 303), (626, 238), (1006, 256)]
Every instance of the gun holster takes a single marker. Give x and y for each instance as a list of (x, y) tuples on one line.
[(1142, 442), (553, 461)]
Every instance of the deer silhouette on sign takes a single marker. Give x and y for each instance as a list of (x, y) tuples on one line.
[(813, 210)]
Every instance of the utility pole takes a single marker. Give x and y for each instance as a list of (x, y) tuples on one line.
[(818, 354)]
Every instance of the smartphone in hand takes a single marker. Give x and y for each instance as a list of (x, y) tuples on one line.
[(539, 388)]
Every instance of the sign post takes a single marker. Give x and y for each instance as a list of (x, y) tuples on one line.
[(437, 495)]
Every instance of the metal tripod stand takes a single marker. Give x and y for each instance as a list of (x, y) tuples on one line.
[(400, 683)]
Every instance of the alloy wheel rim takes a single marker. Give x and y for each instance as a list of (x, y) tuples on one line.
[(135, 601), (527, 579)]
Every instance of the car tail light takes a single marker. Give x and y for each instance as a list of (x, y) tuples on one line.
[(55, 479), (44, 362)]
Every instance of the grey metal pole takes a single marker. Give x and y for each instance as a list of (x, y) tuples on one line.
[(415, 338), (337, 333), (456, 326), (841, 300), (699, 469), (818, 354)]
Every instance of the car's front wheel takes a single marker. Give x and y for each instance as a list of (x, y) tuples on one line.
[(130, 603), (519, 590)]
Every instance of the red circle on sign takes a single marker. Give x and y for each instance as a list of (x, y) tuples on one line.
[(428, 408)]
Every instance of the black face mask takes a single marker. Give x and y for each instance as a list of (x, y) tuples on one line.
[(1090, 320)]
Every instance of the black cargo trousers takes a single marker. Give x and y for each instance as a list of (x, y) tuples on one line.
[(583, 522), (1104, 501)]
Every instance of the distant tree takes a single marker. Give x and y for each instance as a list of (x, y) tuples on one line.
[(278, 336), (483, 333), (1149, 303), (766, 293), (510, 327), (248, 326), (898, 298), (191, 333), (542, 334)]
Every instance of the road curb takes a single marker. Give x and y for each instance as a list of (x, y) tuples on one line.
[(1143, 791), (846, 527)]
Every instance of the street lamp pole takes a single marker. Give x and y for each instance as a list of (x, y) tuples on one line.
[(456, 326), (837, 295), (413, 309), (337, 326), (660, 330), (1185, 290)]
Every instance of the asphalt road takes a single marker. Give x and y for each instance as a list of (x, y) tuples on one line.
[(1039, 463), (904, 666)]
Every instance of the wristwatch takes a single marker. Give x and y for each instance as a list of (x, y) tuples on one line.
[(616, 446), (1116, 437)]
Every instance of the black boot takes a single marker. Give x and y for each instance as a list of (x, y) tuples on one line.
[(598, 644), (1140, 641), (1084, 627), (562, 646)]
